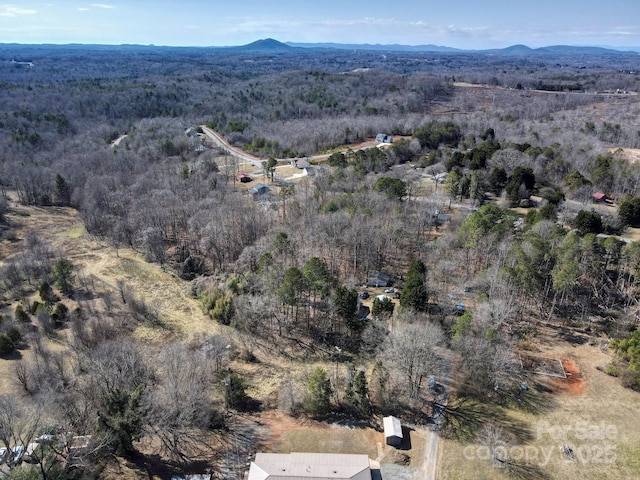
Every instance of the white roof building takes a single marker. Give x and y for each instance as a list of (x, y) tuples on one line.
[(392, 431), (309, 466)]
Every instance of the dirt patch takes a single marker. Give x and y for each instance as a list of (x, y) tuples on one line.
[(631, 154), (574, 384), (288, 434), (279, 423)]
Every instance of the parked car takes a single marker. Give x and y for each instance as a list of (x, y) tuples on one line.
[(389, 290), (364, 295)]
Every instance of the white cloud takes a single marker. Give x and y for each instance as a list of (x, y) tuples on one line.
[(623, 31), (102, 5), (82, 9), (13, 11)]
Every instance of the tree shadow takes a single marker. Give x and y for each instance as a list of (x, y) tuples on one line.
[(154, 466), (535, 399), (524, 471), (463, 418), (16, 354), (574, 338)]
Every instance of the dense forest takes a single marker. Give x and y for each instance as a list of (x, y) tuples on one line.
[(509, 186)]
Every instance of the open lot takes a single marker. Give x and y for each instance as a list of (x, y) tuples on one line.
[(589, 412), (288, 434)]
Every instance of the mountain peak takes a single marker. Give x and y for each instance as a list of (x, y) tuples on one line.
[(266, 45)]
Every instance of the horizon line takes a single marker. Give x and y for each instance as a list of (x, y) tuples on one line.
[(329, 43)]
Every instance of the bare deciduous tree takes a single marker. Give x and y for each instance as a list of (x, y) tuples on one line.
[(181, 402), (412, 350)]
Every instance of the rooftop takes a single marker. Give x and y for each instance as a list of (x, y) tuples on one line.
[(310, 466)]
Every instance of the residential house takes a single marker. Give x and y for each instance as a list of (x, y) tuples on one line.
[(536, 201), (378, 279), (384, 138), (313, 466), (258, 190), (441, 218), (300, 163)]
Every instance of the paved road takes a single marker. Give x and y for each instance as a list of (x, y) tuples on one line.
[(236, 152), (241, 154)]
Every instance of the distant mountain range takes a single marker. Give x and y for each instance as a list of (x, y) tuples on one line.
[(274, 46), (271, 46)]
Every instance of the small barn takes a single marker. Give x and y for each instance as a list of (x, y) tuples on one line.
[(392, 431), (599, 197)]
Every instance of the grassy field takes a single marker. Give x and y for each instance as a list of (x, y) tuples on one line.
[(331, 439), (598, 422), (97, 264)]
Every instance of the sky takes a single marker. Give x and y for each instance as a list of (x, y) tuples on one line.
[(468, 24)]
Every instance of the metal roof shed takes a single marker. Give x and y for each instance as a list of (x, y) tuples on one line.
[(392, 431)]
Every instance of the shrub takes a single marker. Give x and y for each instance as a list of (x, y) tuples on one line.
[(60, 312), (46, 293), (630, 379), (235, 391), (21, 315), (613, 369), (218, 304), (192, 267), (223, 310), (14, 334), (7, 346)]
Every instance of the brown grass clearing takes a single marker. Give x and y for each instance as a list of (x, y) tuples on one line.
[(631, 154), (631, 235), (591, 412), (97, 261), (328, 439)]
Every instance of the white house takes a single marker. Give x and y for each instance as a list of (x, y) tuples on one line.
[(313, 466), (384, 138)]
